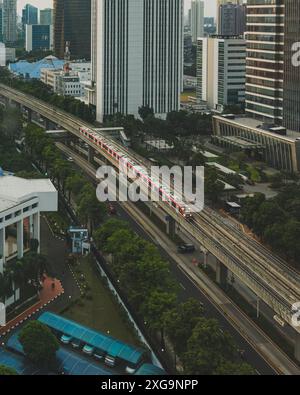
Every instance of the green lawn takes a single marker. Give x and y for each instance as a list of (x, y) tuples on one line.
[(99, 310)]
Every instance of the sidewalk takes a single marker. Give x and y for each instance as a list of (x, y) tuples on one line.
[(47, 295)]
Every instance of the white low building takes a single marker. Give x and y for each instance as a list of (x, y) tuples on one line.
[(6, 54), (21, 202)]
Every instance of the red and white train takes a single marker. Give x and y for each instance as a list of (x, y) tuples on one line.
[(138, 170)]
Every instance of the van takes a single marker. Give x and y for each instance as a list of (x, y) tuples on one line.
[(186, 249)]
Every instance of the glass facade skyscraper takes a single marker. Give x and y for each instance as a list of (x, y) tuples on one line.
[(72, 23), (46, 16), (30, 15)]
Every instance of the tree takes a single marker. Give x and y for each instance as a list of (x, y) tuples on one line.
[(197, 159), (74, 184), (61, 170), (157, 304), (207, 348), (145, 112), (11, 123), (124, 245), (213, 187), (181, 321), (269, 212), (90, 211), (111, 226), (250, 206), (39, 343), (7, 371), (228, 368)]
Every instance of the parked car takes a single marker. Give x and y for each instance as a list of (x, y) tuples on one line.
[(65, 339), (87, 349)]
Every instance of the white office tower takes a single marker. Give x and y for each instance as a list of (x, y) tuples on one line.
[(221, 71), (2, 55), (197, 19), (9, 21), (137, 49)]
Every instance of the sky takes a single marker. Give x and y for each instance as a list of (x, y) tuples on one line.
[(210, 7)]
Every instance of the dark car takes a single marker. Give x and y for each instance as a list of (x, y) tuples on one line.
[(186, 249)]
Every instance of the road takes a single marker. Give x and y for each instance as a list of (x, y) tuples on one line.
[(260, 351), (271, 279)]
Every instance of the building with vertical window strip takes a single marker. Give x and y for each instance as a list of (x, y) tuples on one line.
[(9, 21), (39, 37), (21, 202), (221, 68), (291, 85), (272, 87), (137, 50), (197, 19), (265, 46), (72, 23)]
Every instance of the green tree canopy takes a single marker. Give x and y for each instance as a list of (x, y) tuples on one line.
[(7, 371), (207, 348), (39, 344)]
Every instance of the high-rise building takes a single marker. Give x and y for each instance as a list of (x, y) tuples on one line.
[(222, 2), (46, 16), (221, 69), (265, 57), (39, 37), (72, 23), (9, 21), (1, 21), (271, 130), (197, 19), (291, 85), (137, 50), (232, 19), (29, 15)]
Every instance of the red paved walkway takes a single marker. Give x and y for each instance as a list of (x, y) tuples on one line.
[(47, 295)]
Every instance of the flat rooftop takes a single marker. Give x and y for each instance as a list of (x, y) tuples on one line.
[(255, 123), (16, 190)]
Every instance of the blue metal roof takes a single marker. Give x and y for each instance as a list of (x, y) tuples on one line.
[(107, 344), (69, 362), (33, 70)]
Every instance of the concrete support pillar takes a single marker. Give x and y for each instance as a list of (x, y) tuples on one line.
[(221, 274), (16, 105), (47, 124), (29, 115), (2, 249), (297, 346), (205, 257), (171, 227), (257, 307), (36, 228), (91, 154), (20, 238)]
